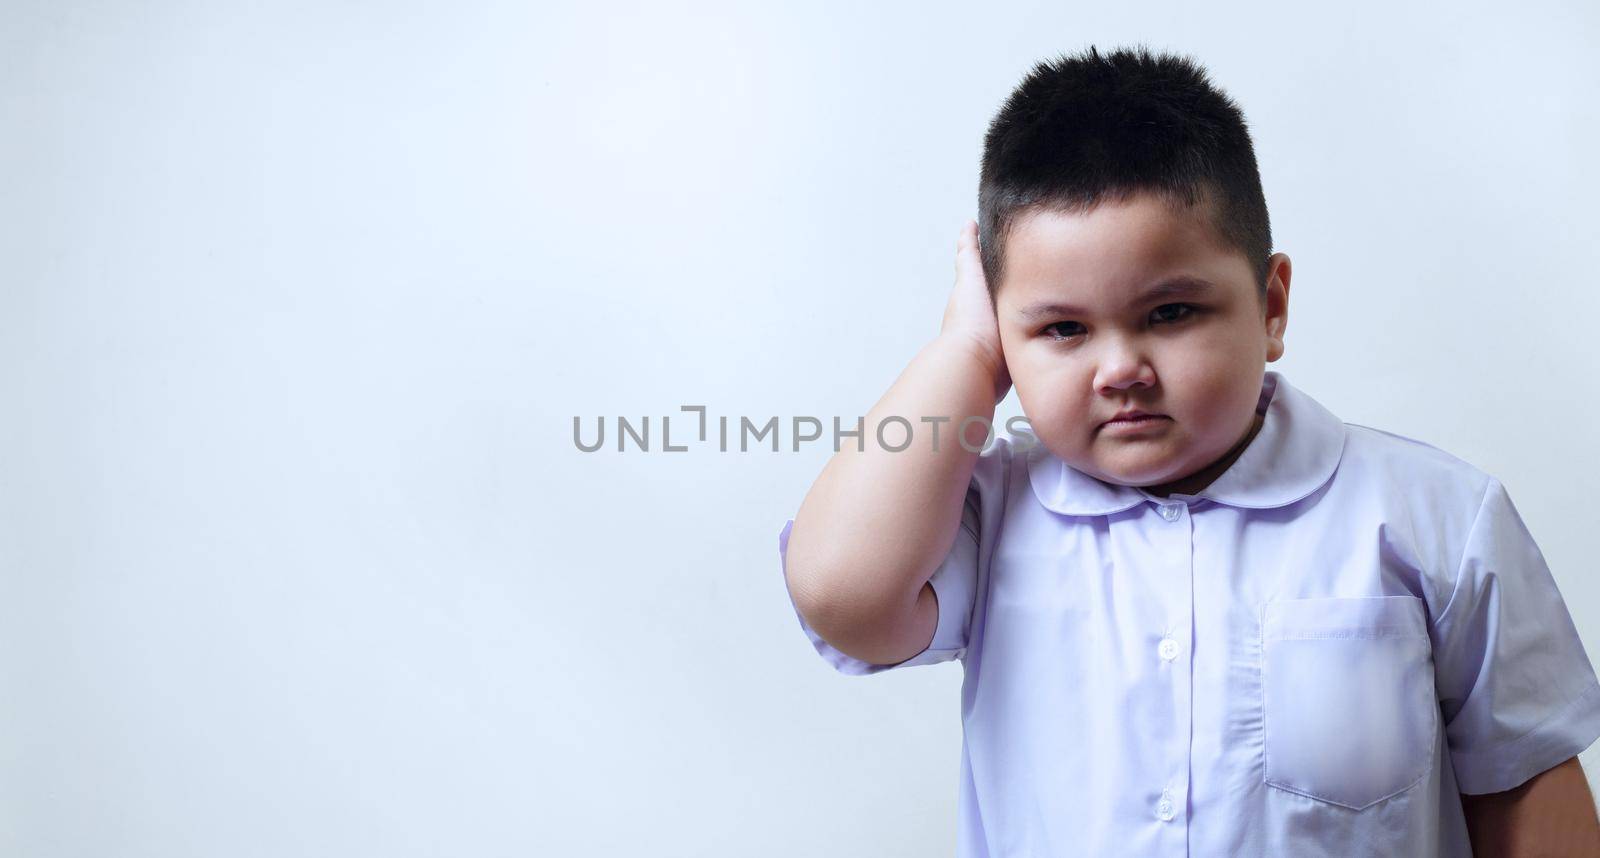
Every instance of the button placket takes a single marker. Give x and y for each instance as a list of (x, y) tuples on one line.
[(1180, 545), (1176, 593)]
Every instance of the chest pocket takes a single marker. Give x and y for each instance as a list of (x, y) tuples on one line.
[(1350, 713)]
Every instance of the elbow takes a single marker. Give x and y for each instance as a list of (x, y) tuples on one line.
[(829, 611), (842, 615), (847, 602)]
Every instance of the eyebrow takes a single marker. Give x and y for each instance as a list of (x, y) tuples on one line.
[(1183, 285)]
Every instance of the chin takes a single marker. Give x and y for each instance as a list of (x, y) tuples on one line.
[(1136, 477), (1148, 466)]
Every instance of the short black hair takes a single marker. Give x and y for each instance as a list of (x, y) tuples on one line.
[(1086, 127)]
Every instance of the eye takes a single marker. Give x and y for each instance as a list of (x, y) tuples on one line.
[(1188, 308), (1188, 311), (1049, 331)]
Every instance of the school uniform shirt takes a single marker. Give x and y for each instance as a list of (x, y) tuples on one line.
[(1314, 655)]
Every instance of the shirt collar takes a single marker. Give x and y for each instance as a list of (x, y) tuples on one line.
[(1295, 453)]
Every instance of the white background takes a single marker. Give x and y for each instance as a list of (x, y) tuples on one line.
[(298, 302)]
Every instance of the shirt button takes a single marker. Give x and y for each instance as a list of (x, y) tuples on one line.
[(1164, 810), (1170, 512), (1168, 649)]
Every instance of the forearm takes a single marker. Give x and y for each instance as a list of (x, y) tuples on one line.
[(877, 523)]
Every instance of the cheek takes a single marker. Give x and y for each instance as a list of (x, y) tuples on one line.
[(1053, 403), (1039, 383), (1043, 370), (1052, 385), (1035, 361)]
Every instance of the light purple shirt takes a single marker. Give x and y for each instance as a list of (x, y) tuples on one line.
[(1311, 656)]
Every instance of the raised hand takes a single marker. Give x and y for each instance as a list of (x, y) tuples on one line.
[(969, 315)]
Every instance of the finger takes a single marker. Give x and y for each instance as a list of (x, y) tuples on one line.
[(968, 262), (965, 240), (964, 247)]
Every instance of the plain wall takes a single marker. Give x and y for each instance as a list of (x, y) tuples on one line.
[(298, 302)]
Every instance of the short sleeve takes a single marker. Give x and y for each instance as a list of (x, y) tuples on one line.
[(954, 586), (1517, 690)]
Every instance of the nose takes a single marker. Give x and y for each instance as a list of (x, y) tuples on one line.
[(1123, 367)]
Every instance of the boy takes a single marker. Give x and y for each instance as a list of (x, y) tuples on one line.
[(1197, 612)]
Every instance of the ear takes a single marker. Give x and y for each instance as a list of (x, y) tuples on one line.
[(1276, 311)]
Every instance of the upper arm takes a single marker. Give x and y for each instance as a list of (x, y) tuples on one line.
[(1552, 813), (1516, 687)]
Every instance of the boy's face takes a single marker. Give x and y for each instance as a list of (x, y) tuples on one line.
[(1105, 347)]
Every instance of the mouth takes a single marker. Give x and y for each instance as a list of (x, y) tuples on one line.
[(1134, 419)]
